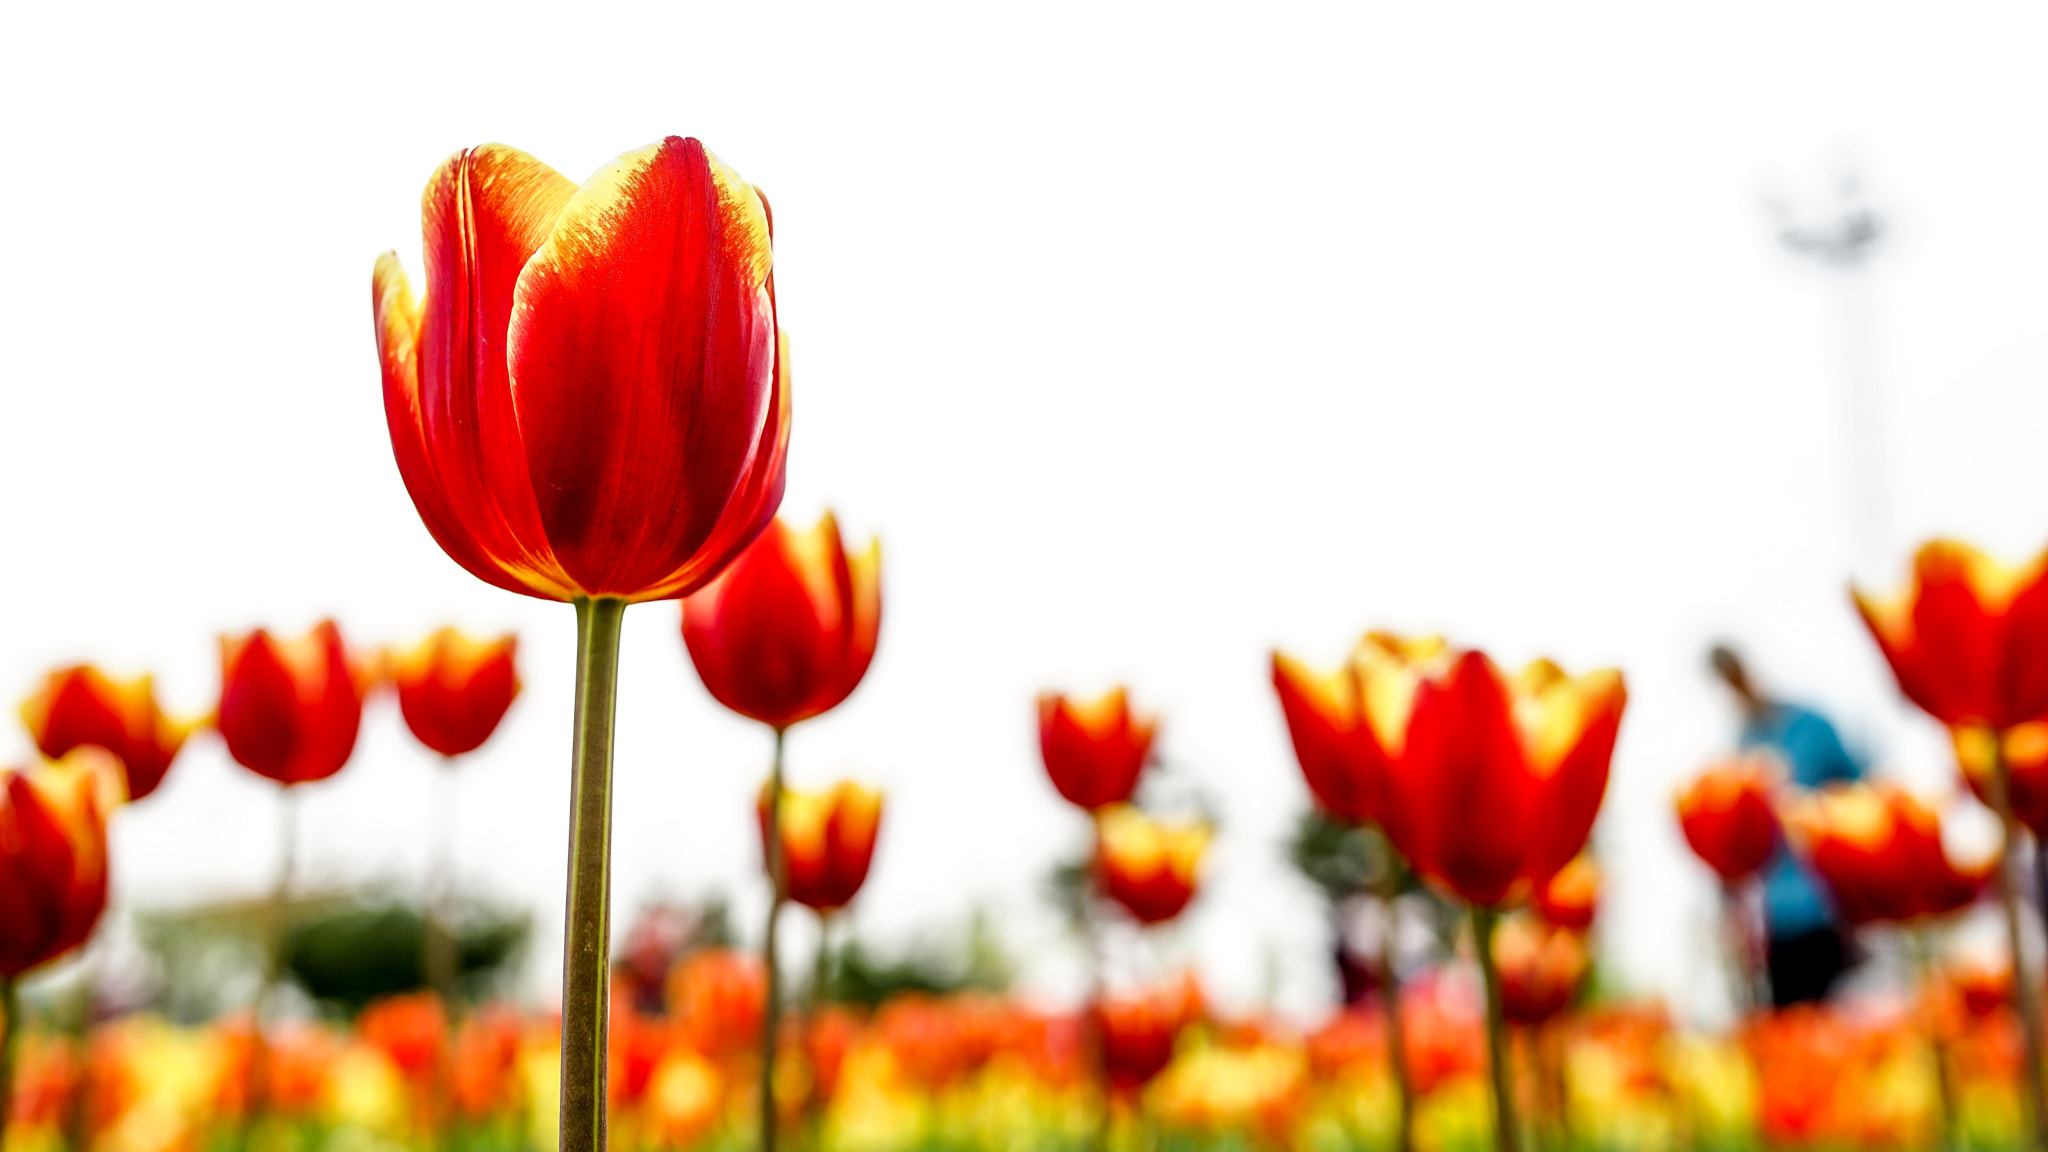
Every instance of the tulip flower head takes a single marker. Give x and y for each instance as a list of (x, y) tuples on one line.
[(1727, 817), (1572, 897), (1341, 759), (1149, 866), (53, 855), (1094, 750), (1497, 778), (289, 710), (1880, 851), (1964, 636), (81, 705), (1541, 967), (592, 398), (787, 631), (828, 841), (1135, 1034), (453, 690), (2024, 750)]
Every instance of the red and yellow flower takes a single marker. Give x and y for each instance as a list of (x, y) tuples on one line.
[(2023, 749), (454, 690), (1150, 867), (1571, 898), (290, 710), (1094, 750), (828, 842), (1727, 817), (1541, 967), (787, 631), (1135, 1034), (592, 398), (81, 705), (1880, 851), (1964, 635), (53, 855), (1341, 758)]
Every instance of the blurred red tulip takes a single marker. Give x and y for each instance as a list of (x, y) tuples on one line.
[(592, 400), (828, 841), (2025, 748), (1965, 636), (53, 855), (1094, 750), (484, 1063), (717, 998), (1880, 851), (1541, 967), (788, 631), (411, 1029), (1135, 1035), (1341, 759), (81, 705), (453, 690), (1571, 898), (1497, 780), (1727, 819), (1148, 866), (290, 710)]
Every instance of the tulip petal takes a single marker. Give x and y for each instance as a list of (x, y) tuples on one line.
[(1467, 794)]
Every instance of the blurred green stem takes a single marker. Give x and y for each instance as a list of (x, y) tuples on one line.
[(10, 1037), (586, 943), (2033, 1108), (1507, 1137), (1921, 944), (771, 1020), (1390, 1003)]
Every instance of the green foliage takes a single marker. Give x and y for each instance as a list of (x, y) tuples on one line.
[(852, 974), (355, 955)]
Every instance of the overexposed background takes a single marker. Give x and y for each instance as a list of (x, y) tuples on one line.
[(1147, 337)]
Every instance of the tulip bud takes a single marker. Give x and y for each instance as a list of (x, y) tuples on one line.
[(1540, 966), (2024, 748), (1727, 819), (53, 855), (289, 711), (453, 690), (828, 841), (1880, 851), (81, 705), (1135, 1035), (1964, 636), (1094, 751), (1148, 866), (1341, 759), (1572, 897)]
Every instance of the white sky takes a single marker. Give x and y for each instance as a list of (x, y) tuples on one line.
[(1147, 338)]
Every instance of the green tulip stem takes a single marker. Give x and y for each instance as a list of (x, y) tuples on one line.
[(778, 885), (1390, 1004), (1507, 1137), (2033, 1106), (1920, 944), (10, 1037), (586, 941)]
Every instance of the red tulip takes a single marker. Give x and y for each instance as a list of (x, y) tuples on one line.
[(1541, 967), (1727, 818), (53, 855), (787, 632), (1136, 1034), (828, 841), (1572, 897), (1148, 866), (1094, 750), (1879, 849), (2025, 748), (1340, 758), (1965, 636), (591, 401), (81, 705), (290, 710), (453, 690), (1497, 780)]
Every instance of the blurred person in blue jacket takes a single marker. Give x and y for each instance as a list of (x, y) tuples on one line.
[(1806, 949)]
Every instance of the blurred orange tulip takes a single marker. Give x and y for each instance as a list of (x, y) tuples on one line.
[(411, 1029), (1135, 1034), (1964, 636), (1571, 898), (453, 690), (53, 855), (2025, 750), (828, 841), (1727, 818), (1148, 866), (788, 631), (1497, 779), (591, 400), (1094, 750), (1541, 967), (290, 710), (82, 705), (1879, 849), (1341, 758), (717, 998)]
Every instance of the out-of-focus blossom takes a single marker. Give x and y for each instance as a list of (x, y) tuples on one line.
[(1341, 757), (828, 841), (1964, 635), (1135, 1034), (484, 1062), (453, 690), (591, 400), (1255, 1089), (788, 630), (1880, 851), (717, 998), (1571, 898), (2025, 750), (1148, 866), (684, 1100), (1980, 986), (81, 705), (1541, 967), (1727, 817), (1094, 750), (1498, 778), (53, 855), (290, 710), (412, 1030)]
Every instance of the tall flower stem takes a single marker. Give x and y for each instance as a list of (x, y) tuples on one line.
[(1390, 1003), (771, 1019), (2033, 1107), (257, 1086), (821, 965), (1507, 1137), (1922, 948), (586, 942), (10, 1035), (438, 964)]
